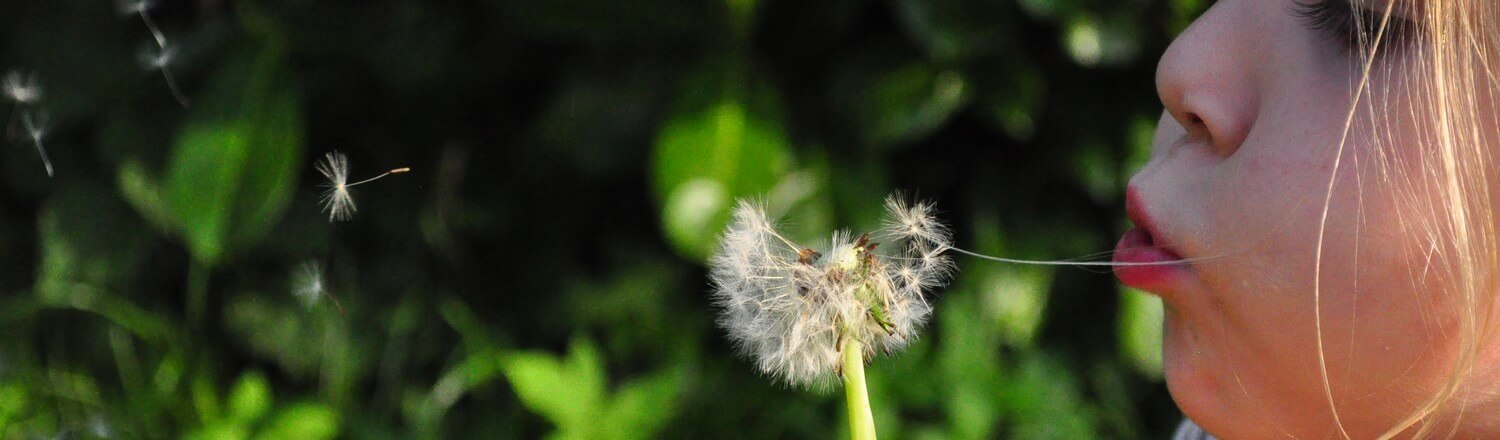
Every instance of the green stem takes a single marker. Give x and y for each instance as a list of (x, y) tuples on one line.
[(197, 293), (861, 422)]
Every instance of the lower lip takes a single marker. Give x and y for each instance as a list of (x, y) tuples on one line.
[(1136, 247)]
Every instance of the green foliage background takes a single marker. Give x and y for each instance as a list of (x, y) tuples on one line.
[(540, 272)]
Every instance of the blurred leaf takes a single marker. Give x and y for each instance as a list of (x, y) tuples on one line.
[(1011, 94), (1046, 401), (250, 398), (14, 404), (892, 105), (1140, 331), (206, 400), (278, 331), (233, 170), (1097, 170), (302, 421), (1092, 42), (144, 194), (641, 22), (572, 393), (1183, 13), (604, 112), (969, 360), (958, 30), (1017, 298), (694, 212), (643, 407), (719, 146), (88, 237), (1014, 297), (567, 392)]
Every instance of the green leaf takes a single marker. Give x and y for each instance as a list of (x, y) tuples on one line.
[(907, 103), (250, 398), (567, 392), (717, 147), (87, 237), (608, 21), (959, 30), (232, 172), (970, 365), (642, 407), (302, 421), (143, 191), (1140, 331), (1045, 400)]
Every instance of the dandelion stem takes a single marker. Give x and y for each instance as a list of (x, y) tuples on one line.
[(172, 85), (861, 422), (46, 161), (161, 40), (387, 173), (36, 129), (161, 43)]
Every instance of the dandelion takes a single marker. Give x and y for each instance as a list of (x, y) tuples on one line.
[(336, 198), (806, 316), (309, 287), (162, 57), (22, 89), (36, 129)]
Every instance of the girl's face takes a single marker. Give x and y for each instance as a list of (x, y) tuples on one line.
[(1256, 104)]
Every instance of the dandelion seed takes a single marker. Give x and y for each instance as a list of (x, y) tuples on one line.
[(307, 283), (21, 88), (162, 59), (163, 56), (792, 308), (157, 58), (309, 287), (36, 129), (916, 224), (336, 198), (133, 7)]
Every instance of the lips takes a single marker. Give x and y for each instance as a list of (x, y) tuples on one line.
[(1149, 264)]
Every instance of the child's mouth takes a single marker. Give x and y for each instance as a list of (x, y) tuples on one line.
[(1146, 265)]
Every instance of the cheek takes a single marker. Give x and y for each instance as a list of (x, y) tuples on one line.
[(1377, 305)]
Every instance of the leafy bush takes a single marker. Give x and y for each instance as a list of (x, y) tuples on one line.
[(541, 269)]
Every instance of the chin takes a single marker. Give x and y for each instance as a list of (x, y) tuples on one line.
[(1204, 386), (1192, 380)]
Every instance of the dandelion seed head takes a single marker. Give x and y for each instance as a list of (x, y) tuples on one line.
[(131, 7), (21, 88), (336, 198), (153, 58), (915, 223), (307, 283), (792, 312)]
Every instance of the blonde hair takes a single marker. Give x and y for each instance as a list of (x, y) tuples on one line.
[(1448, 53)]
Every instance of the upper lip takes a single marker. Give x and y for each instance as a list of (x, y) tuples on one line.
[(1138, 216)]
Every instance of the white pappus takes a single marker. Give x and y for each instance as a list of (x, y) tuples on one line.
[(792, 308)]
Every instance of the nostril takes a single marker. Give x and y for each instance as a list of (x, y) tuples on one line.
[(1195, 126)]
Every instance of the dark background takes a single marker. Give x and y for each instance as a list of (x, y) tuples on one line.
[(541, 269)]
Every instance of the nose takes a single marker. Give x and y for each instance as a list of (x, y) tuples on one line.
[(1205, 79)]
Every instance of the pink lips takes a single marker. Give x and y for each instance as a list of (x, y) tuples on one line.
[(1138, 245)]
